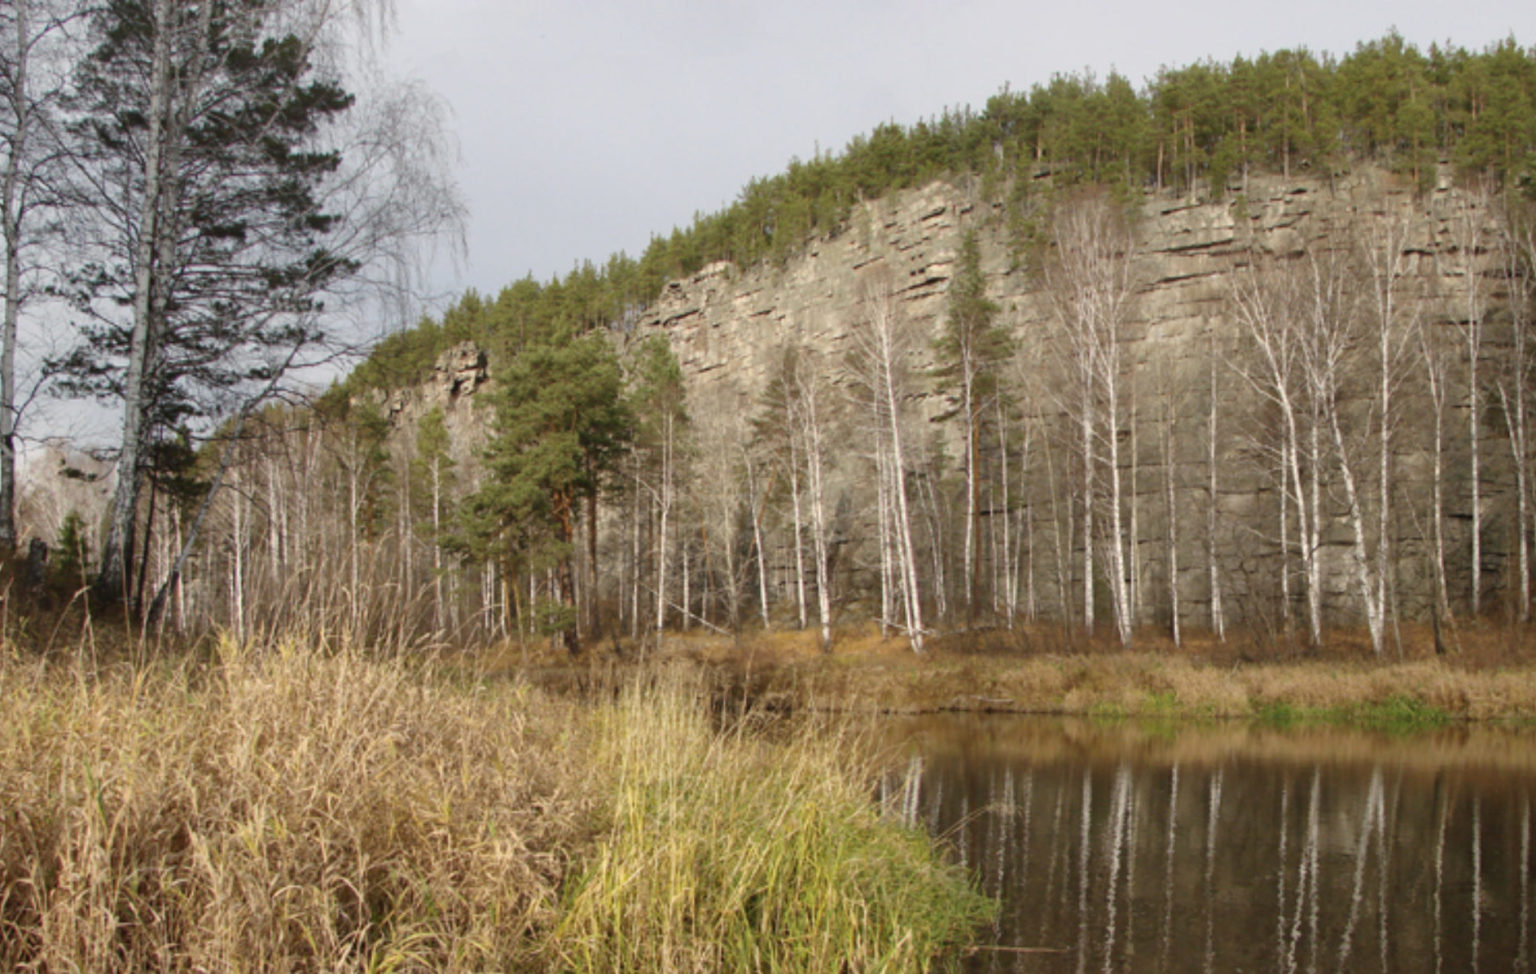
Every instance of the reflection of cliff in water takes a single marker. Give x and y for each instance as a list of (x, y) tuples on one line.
[(1123, 850)]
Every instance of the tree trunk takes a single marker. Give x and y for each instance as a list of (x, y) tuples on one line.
[(911, 591), (1213, 563), (11, 228), (663, 512), (438, 619), (794, 492), (1087, 502), (112, 581), (1173, 515)]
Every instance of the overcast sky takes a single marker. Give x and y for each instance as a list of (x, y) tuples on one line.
[(584, 128)]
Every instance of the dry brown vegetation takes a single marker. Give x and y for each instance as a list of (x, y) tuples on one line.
[(1046, 670), (304, 807), (283, 810)]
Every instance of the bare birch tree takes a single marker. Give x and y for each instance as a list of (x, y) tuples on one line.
[(1091, 286), (1434, 360), (1468, 233), (810, 414), (32, 82), (1213, 492), (1332, 325), (1267, 300), (1517, 250), (880, 342), (1383, 244)]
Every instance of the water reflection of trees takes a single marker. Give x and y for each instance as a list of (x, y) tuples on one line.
[(1243, 863)]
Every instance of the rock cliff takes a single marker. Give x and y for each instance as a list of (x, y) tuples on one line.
[(729, 326)]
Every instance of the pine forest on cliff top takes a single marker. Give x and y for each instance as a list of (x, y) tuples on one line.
[(1198, 129)]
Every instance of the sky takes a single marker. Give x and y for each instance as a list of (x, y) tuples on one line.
[(584, 128)]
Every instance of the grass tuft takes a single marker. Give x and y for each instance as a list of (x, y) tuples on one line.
[(726, 853)]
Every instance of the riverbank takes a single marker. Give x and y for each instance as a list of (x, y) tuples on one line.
[(1493, 678), (286, 808)]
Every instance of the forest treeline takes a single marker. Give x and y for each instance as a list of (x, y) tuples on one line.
[(1351, 447), (1344, 442), (1197, 129)]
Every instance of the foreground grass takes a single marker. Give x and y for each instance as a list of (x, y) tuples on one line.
[(290, 810)]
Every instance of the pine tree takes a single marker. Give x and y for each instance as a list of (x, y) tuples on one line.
[(560, 423), (195, 139), (227, 190), (970, 352)]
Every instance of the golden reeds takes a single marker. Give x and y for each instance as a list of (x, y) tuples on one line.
[(287, 809)]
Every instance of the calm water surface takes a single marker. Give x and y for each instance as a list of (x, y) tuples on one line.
[(1232, 848)]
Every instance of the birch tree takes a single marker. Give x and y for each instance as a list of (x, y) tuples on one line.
[(1331, 324), (879, 360), (1212, 499), (1383, 244), (810, 415), (1517, 250), (720, 495), (1267, 301), (1468, 235), (231, 185), (1434, 361), (1091, 286), (32, 84)]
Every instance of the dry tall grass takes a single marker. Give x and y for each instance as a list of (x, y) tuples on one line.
[(293, 810), (275, 811)]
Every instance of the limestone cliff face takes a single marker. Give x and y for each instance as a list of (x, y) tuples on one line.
[(457, 375), (728, 325)]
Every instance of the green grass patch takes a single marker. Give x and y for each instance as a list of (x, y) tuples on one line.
[(726, 853), (1107, 711), (1399, 712), (1163, 703)]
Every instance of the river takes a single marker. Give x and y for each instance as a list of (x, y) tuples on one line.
[(1230, 847)]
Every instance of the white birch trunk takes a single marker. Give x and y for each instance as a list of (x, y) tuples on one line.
[(1468, 233), (1213, 563), (117, 550), (794, 493), (1171, 499)]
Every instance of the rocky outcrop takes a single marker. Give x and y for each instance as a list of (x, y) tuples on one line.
[(457, 375), (728, 326)]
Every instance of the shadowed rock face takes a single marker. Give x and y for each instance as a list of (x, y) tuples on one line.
[(728, 327)]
